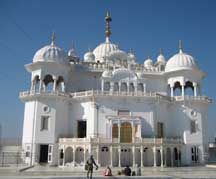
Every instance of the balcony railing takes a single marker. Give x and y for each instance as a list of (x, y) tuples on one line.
[(150, 141), (114, 93)]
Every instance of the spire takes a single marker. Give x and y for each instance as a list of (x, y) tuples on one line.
[(180, 46), (53, 39), (130, 50), (161, 51), (108, 19)]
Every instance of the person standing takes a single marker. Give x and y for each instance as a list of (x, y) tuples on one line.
[(90, 165)]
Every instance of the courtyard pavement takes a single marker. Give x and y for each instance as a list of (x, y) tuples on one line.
[(147, 172)]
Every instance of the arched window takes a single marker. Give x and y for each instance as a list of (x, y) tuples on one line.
[(177, 89), (36, 83), (131, 87), (48, 82), (140, 87), (124, 87), (126, 132), (116, 86), (189, 89), (106, 86), (60, 83)]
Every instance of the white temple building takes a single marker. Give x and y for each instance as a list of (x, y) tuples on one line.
[(109, 105)]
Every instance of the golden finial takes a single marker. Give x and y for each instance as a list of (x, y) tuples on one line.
[(161, 51), (53, 38), (180, 46), (108, 19)]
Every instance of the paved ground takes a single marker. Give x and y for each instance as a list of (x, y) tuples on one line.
[(147, 172)]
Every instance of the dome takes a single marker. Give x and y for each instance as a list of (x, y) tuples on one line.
[(123, 73), (89, 57), (117, 54), (103, 50), (181, 61), (148, 63), (72, 53), (107, 74), (51, 53), (161, 59)]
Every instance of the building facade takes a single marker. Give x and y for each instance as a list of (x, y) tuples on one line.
[(109, 105)]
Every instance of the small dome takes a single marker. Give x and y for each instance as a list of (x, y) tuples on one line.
[(89, 57), (72, 53), (148, 63), (103, 50), (51, 53), (161, 59), (107, 74), (181, 61), (131, 57), (123, 73)]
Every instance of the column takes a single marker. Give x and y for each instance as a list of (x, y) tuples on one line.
[(119, 84), (111, 156), (111, 126), (119, 131), (172, 159), (134, 157), (74, 155), (144, 87), (128, 87), (155, 156), (135, 88), (111, 87), (141, 157), (63, 163), (171, 91), (183, 92), (40, 85), (98, 154), (32, 85), (84, 155), (178, 151), (161, 152), (165, 157), (195, 89), (119, 152), (55, 83), (102, 85)]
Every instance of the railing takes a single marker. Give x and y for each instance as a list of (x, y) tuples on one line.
[(115, 140), (114, 93), (47, 93), (195, 98)]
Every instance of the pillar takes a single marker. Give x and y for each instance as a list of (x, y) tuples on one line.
[(165, 157), (119, 84), (98, 154), (119, 152), (102, 85), (162, 159), (84, 155), (74, 155), (111, 87), (111, 156), (178, 151), (141, 157), (155, 156), (135, 88), (172, 159), (195, 89), (55, 83), (134, 157), (183, 92), (40, 85), (144, 87), (32, 85), (171, 91)]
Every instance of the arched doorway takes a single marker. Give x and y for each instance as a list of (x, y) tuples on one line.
[(104, 156), (126, 157), (126, 133), (79, 155), (115, 131), (68, 155), (168, 157)]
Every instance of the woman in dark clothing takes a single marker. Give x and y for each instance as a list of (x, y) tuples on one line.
[(127, 171)]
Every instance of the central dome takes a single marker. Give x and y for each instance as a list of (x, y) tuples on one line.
[(103, 50), (181, 61)]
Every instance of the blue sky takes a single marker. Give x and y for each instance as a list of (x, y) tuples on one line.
[(145, 26)]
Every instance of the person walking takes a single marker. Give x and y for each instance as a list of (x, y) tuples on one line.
[(90, 165)]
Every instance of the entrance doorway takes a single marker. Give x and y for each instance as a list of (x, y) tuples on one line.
[(43, 153), (81, 129)]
